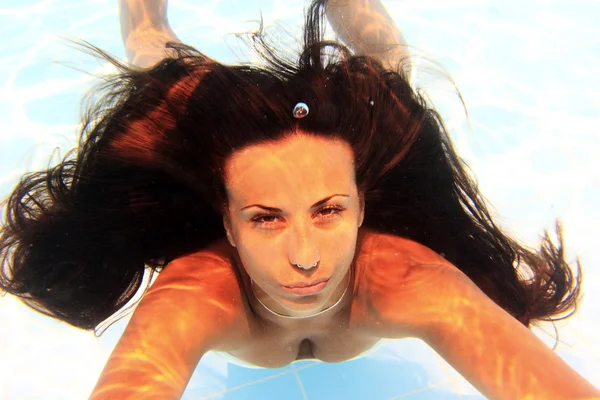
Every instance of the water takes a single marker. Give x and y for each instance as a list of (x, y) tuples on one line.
[(527, 74)]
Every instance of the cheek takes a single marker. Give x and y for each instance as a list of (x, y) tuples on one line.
[(340, 247), (256, 256), (347, 248)]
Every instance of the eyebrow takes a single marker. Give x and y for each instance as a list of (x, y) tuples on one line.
[(273, 209)]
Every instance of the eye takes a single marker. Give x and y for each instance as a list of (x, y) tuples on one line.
[(328, 213)]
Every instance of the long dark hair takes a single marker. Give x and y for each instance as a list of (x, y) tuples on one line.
[(145, 185)]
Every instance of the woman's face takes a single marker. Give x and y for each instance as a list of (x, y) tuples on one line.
[(294, 176)]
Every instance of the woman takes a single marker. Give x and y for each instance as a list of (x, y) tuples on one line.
[(242, 183)]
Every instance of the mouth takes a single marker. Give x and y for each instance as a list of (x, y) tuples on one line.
[(303, 284), (303, 289)]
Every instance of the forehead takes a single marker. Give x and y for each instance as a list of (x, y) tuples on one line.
[(300, 164)]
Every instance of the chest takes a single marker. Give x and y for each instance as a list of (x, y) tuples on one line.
[(278, 346)]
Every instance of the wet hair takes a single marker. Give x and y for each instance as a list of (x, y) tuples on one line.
[(145, 185)]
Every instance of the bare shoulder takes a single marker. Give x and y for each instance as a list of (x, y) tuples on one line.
[(390, 260), (399, 279), (203, 289), (383, 251), (190, 309)]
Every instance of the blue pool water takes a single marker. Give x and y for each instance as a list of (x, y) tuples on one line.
[(527, 72)]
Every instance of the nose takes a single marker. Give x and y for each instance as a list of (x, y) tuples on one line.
[(303, 247)]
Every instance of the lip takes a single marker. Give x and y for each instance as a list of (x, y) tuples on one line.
[(302, 288), (303, 284)]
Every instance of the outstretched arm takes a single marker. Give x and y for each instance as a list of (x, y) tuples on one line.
[(145, 31), (366, 26), (492, 350), (498, 354), (190, 309)]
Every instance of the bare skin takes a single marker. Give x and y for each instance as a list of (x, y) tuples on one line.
[(145, 30), (399, 289), (460, 323), (364, 25), (367, 27)]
